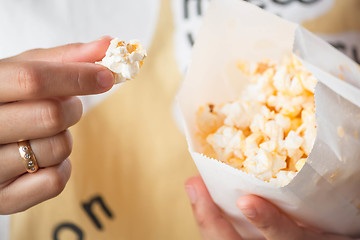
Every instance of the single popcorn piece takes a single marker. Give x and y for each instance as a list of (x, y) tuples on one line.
[(239, 114), (299, 164), (270, 129), (124, 59), (283, 178), (226, 142), (292, 143)]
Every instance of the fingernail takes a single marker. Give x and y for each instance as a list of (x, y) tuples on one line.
[(105, 79), (248, 212), (190, 190)]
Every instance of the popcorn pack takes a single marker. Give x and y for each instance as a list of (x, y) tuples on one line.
[(272, 110), (124, 59)]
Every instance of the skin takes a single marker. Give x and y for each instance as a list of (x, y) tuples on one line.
[(269, 220), (38, 103)]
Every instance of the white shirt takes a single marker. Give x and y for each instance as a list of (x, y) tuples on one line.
[(28, 24)]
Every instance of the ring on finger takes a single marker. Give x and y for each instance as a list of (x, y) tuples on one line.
[(28, 156)]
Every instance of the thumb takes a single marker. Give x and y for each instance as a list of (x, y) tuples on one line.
[(268, 219), (275, 225)]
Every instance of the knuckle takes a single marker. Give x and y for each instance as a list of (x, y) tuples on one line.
[(52, 116), (269, 222), (61, 146), (31, 52), (202, 222), (79, 83), (64, 51), (29, 80), (265, 226)]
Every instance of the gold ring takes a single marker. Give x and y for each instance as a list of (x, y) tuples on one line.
[(28, 156)]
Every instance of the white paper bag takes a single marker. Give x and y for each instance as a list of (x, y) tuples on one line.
[(325, 194)]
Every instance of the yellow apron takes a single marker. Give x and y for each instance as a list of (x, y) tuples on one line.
[(130, 160)]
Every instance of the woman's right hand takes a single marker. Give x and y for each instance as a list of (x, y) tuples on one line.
[(38, 103)]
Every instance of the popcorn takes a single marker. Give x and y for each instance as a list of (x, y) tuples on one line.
[(226, 142), (283, 121), (282, 80), (270, 129), (283, 178), (293, 141), (124, 59), (208, 119), (239, 114), (299, 164), (309, 139), (309, 84), (252, 144), (260, 165), (296, 88), (269, 146), (273, 130)]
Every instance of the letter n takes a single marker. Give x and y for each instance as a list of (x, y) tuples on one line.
[(89, 209)]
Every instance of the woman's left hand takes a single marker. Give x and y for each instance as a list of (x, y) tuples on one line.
[(268, 219)]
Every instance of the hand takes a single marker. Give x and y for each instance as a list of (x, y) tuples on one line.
[(269, 220), (37, 104)]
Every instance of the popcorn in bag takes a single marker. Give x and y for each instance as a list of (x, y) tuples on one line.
[(320, 185), (270, 129)]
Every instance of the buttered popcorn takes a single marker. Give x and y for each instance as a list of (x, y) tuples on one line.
[(270, 129), (124, 59)]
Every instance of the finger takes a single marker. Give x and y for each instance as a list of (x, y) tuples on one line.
[(272, 223), (211, 222), (48, 151), (38, 118), (29, 80), (268, 219), (31, 189), (76, 52)]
